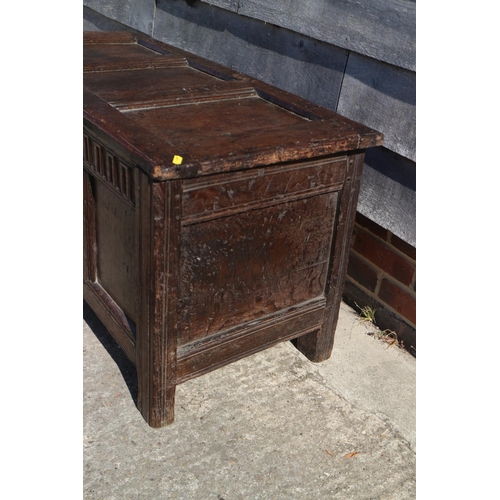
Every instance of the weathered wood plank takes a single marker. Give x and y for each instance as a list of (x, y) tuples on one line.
[(231, 5), (303, 66), (137, 15), (388, 194), (383, 97), (382, 29)]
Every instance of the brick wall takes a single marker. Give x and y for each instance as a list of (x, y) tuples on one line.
[(381, 274)]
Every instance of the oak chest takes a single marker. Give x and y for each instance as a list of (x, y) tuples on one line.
[(218, 212)]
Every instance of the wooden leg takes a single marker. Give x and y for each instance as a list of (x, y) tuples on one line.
[(314, 347), (159, 228)]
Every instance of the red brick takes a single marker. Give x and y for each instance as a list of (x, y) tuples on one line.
[(372, 226), (362, 273), (398, 299), (383, 257)]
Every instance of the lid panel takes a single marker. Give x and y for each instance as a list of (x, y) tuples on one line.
[(221, 129), (112, 57), (132, 89), (184, 116)]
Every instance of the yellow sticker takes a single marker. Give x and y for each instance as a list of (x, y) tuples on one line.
[(177, 160)]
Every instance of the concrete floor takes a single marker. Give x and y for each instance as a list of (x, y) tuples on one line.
[(271, 426)]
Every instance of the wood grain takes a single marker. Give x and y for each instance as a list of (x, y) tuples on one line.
[(204, 356), (293, 62), (231, 5), (383, 97), (388, 193), (138, 15), (218, 196), (318, 345), (381, 29), (254, 263)]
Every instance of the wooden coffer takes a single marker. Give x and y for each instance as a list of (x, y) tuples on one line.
[(218, 212)]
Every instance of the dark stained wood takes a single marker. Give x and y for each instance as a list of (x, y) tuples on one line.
[(217, 214), (112, 317), (253, 263), (121, 56), (264, 128), (317, 346), (144, 234), (201, 357), (108, 37), (164, 283), (208, 198), (89, 236), (104, 305), (162, 87), (116, 240)]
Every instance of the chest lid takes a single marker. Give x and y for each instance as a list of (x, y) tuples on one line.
[(181, 116)]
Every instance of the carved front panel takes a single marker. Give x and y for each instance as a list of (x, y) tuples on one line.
[(255, 244)]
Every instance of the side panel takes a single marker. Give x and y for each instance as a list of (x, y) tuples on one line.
[(110, 241)]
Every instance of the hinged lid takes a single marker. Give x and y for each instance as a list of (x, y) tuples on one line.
[(182, 116)]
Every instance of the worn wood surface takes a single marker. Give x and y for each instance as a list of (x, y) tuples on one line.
[(201, 357), (163, 296), (239, 242), (95, 263), (254, 263), (260, 125)]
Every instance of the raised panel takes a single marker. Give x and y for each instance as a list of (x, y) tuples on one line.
[(238, 268)]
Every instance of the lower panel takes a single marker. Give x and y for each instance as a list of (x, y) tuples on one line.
[(201, 357)]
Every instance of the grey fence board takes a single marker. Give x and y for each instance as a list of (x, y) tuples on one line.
[(298, 64), (231, 5), (93, 21), (383, 97), (388, 193), (137, 15), (382, 29)]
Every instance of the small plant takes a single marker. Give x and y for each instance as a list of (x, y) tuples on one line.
[(388, 336), (367, 313)]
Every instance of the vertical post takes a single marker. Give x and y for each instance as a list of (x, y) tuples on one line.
[(159, 231), (89, 234), (317, 346)]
